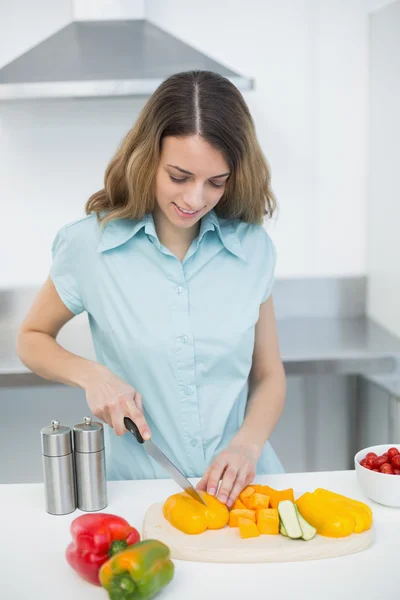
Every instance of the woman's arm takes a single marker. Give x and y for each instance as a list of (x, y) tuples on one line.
[(109, 398), (37, 346), (236, 465)]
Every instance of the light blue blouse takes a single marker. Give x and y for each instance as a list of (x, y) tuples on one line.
[(181, 333)]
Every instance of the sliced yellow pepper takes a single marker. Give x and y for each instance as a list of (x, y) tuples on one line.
[(329, 520), (364, 509), (238, 504), (248, 529), (268, 521), (238, 513), (275, 496), (334, 515), (191, 517), (361, 512)]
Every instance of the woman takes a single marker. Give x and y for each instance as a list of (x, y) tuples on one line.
[(175, 270)]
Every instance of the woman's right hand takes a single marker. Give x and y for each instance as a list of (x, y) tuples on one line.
[(111, 399)]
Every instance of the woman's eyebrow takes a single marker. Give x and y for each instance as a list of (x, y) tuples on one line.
[(189, 173)]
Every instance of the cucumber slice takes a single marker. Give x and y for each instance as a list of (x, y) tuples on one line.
[(308, 530), (288, 515), (282, 529)]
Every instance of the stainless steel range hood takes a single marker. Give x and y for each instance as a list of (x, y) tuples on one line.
[(104, 58)]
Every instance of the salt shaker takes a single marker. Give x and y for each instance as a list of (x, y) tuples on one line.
[(90, 466), (58, 469)]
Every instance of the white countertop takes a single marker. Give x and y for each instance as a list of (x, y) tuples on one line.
[(32, 563)]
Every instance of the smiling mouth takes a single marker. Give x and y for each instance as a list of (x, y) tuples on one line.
[(189, 213)]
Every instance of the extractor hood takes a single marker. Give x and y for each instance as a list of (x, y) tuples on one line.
[(104, 58)]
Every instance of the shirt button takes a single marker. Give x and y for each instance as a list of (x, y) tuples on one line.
[(184, 339), (194, 442), (179, 290)]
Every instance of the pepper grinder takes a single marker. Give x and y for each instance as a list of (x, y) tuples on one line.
[(58, 469), (90, 465)]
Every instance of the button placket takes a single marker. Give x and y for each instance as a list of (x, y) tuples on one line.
[(186, 370)]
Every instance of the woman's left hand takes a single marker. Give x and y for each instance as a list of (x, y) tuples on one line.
[(235, 467)]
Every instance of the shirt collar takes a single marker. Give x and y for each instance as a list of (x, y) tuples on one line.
[(119, 231), (226, 232)]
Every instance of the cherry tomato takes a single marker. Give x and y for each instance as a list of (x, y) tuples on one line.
[(387, 468), (378, 462), (396, 461), (362, 462), (396, 471), (367, 467), (376, 470), (371, 454), (392, 452), (370, 461)]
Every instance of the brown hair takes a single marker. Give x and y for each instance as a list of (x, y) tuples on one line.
[(188, 103)]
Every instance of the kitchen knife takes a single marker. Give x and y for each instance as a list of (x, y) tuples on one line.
[(163, 461)]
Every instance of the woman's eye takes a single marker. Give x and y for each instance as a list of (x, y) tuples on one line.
[(217, 185), (183, 179), (176, 180)]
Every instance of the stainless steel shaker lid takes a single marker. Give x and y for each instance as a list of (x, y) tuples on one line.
[(56, 439), (88, 436)]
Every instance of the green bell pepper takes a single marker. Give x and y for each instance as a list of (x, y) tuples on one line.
[(139, 572)]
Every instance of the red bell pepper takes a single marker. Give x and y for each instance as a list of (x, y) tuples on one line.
[(96, 538)]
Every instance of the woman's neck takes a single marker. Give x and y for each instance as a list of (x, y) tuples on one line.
[(177, 240)]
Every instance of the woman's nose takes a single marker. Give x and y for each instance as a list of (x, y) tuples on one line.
[(194, 199)]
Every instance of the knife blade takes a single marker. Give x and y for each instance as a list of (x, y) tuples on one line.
[(154, 451)]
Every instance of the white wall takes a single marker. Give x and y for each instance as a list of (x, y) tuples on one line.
[(384, 155), (309, 62), (52, 158), (341, 49), (87, 10), (24, 23), (374, 5)]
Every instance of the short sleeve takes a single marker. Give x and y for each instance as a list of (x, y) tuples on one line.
[(64, 271), (269, 264)]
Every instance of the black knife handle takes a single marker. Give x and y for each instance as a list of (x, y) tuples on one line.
[(130, 425)]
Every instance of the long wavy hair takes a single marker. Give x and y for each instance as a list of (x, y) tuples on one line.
[(188, 103)]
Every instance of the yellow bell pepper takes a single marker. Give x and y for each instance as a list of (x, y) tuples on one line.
[(268, 521), (238, 504), (333, 515), (257, 501), (247, 528), (245, 495), (241, 513), (192, 517), (360, 511), (275, 496)]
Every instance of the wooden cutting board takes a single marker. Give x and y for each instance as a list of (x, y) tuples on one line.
[(226, 546)]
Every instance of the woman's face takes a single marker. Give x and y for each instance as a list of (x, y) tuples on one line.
[(190, 180)]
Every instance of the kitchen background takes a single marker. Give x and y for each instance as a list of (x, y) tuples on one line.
[(325, 99)]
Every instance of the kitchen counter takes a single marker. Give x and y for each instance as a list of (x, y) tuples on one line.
[(33, 544), (354, 345)]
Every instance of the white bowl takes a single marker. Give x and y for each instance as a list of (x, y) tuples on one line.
[(382, 488)]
